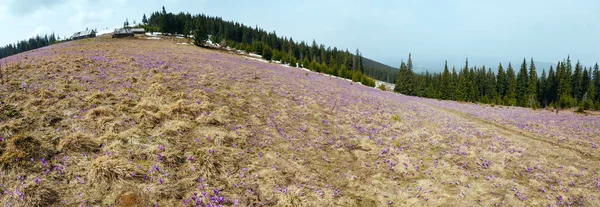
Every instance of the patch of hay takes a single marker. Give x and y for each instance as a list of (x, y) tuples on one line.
[(132, 198), (78, 143), (149, 104), (12, 127), (105, 169), (39, 195), (175, 128), (218, 117), (182, 108), (43, 94), (98, 112), (22, 147), (147, 118), (214, 162), (110, 137)]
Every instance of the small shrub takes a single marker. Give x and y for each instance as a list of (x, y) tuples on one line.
[(565, 102), (588, 104), (10, 111), (381, 87), (580, 109), (396, 118), (267, 53)]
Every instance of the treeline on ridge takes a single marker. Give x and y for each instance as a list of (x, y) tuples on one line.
[(562, 87), (315, 57), (26, 45)]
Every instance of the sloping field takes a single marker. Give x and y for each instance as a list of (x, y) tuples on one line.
[(104, 122)]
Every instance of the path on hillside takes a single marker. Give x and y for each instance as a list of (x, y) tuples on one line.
[(535, 144)]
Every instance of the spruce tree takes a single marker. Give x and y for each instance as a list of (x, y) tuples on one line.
[(577, 82), (446, 81), (532, 86), (403, 84), (144, 19), (462, 89), (522, 81), (511, 86), (410, 76), (541, 89), (501, 82), (597, 83), (453, 83), (551, 86)]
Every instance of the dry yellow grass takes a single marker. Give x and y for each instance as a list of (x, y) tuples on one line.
[(135, 122)]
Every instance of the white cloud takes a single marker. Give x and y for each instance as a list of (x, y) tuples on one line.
[(40, 30), (3, 12), (85, 19), (24, 8)]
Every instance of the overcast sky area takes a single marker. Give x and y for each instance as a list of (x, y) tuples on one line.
[(386, 31)]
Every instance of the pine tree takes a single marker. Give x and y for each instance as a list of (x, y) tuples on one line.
[(565, 88), (462, 89), (551, 86), (522, 81), (577, 82), (144, 19), (511, 88), (403, 84), (446, 92), (541, 89), (532, 86), (585, 83), (200, 37), (502, 84), (453, 84), (490, 88), (410, 76), (597, 82)]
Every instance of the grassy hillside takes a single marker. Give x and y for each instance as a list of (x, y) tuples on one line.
[(381, 71), (142, 122)]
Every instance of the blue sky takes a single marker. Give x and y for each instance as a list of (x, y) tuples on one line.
[(433, 31)]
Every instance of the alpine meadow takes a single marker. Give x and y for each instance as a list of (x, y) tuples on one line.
[(194, 109)]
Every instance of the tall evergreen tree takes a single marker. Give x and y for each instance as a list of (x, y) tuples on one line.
[(577, 82), (551, 86), (144, 19), (597, 82), (532, 100), (462, 88), (410, 75), (502, 83), (446, 81), (522, 81), (541, 89), (403, 84), (453, 83), (511, 87)]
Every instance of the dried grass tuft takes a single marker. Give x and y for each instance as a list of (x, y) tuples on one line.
[(132, 198), (175, 128), (218, 117), (21, 147), (102, 111), (213, 162), (39, 195), (78, 143), (147, 118), (149, 104), (105, 169)]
